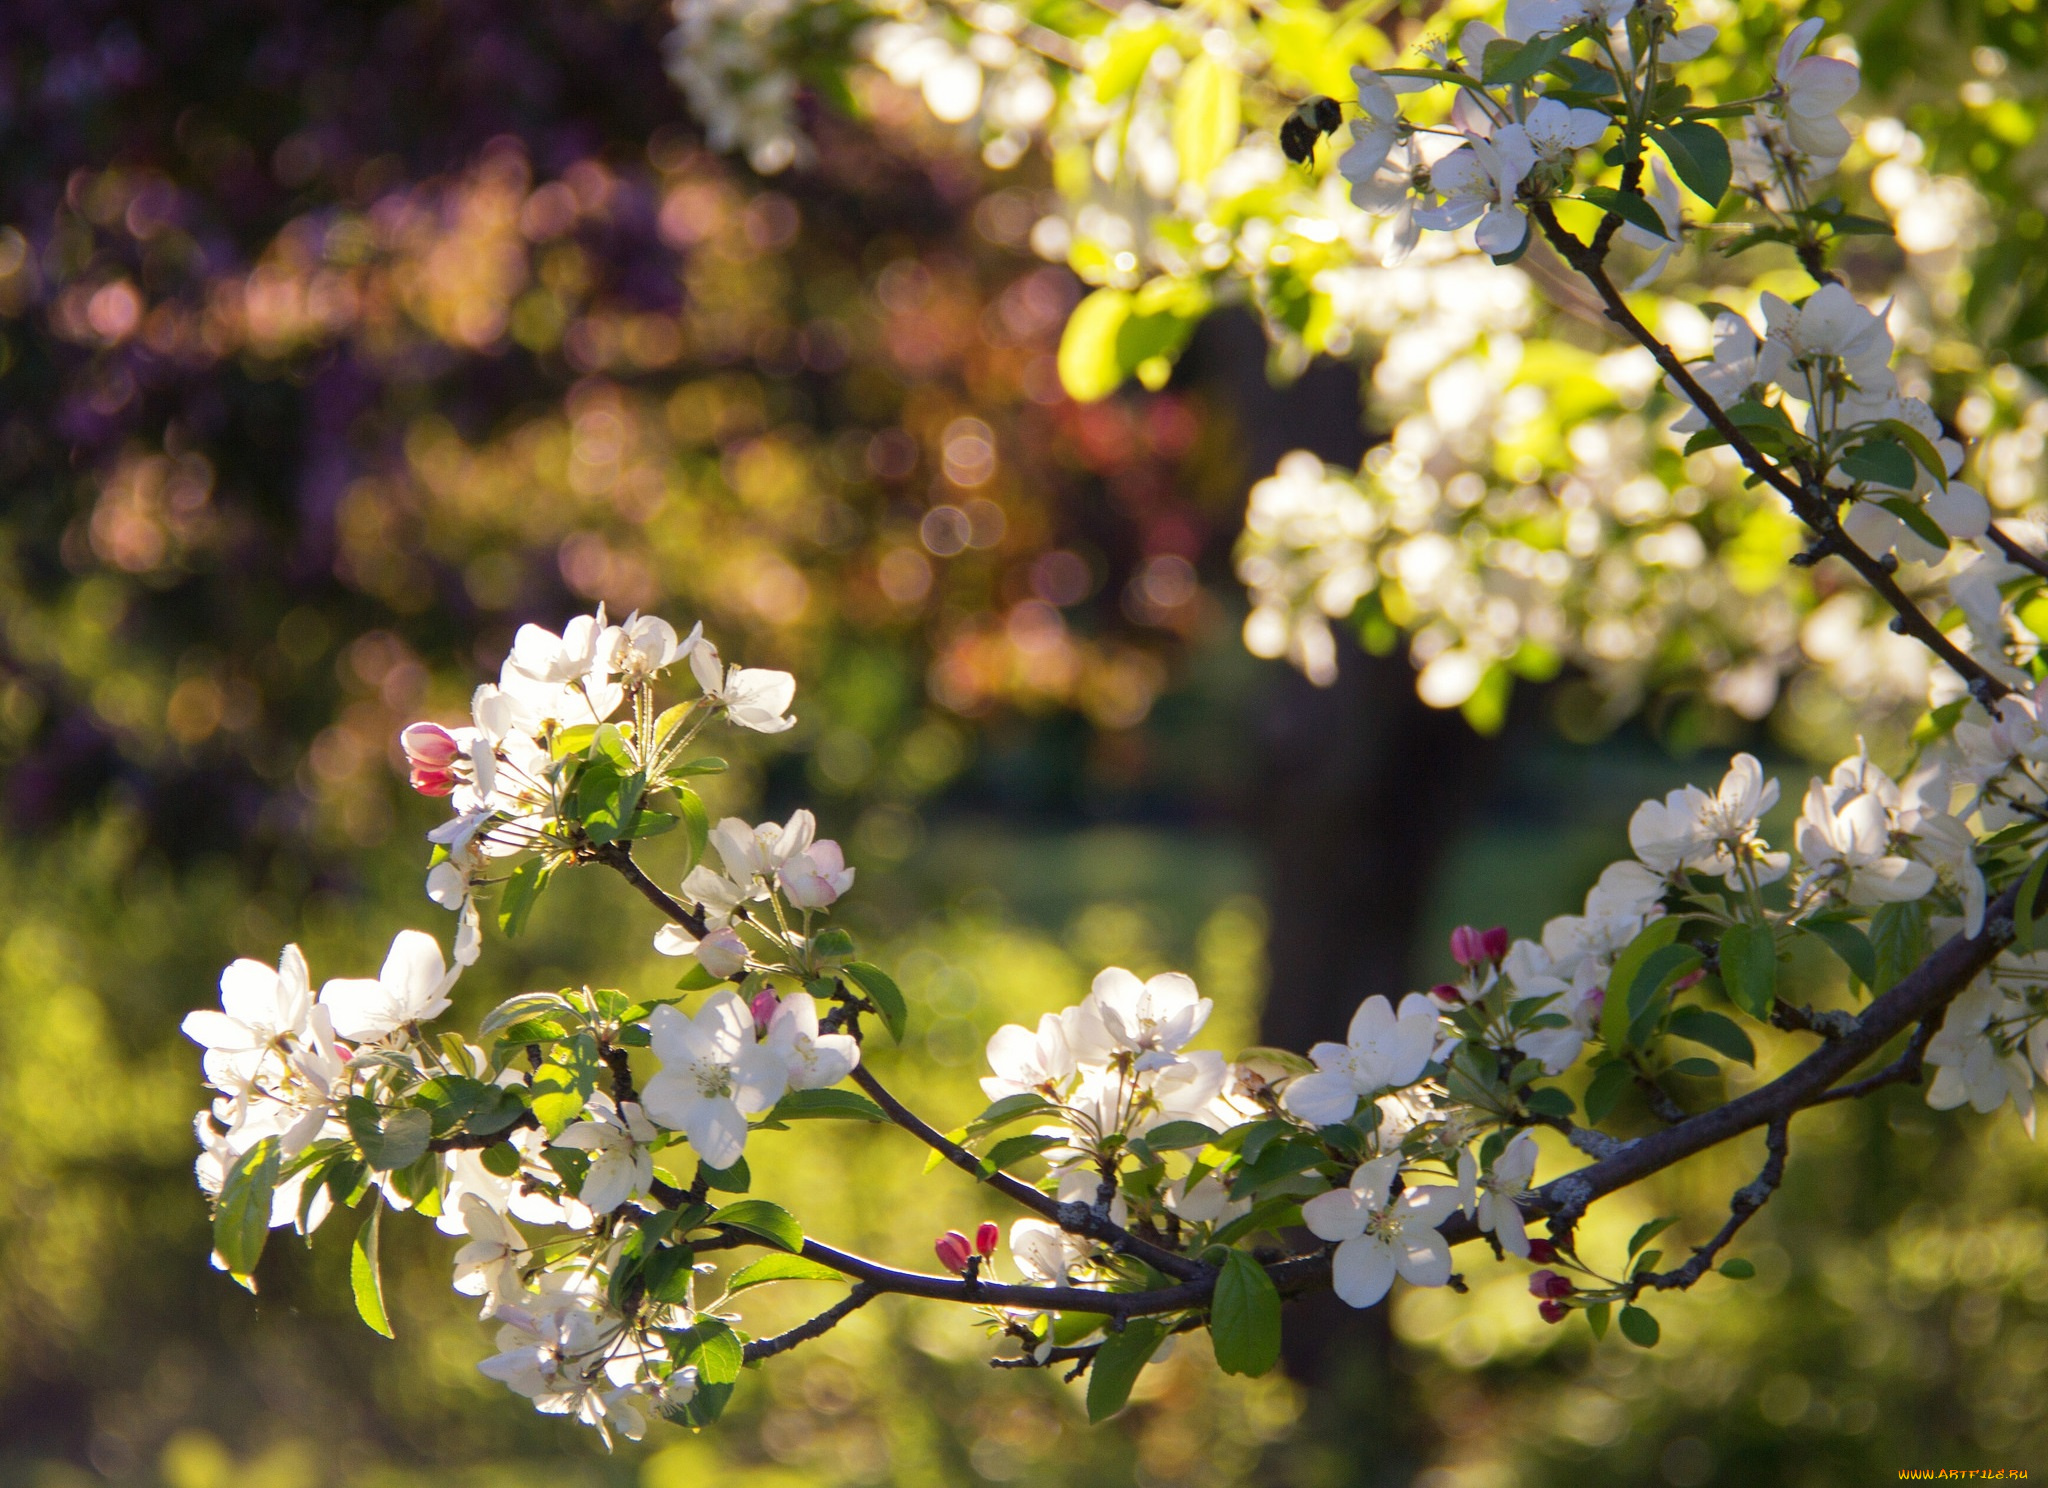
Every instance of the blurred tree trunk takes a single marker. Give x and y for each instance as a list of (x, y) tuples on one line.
[(1359, 788)]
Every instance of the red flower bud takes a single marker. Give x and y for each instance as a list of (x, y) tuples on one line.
[(430, 745), (1446, 993), (1549, 1283), (1541, 1251), (986, 1238), (763, 1008), (953, 1250), (429, 781), (1553, 1312), (1495, 943)]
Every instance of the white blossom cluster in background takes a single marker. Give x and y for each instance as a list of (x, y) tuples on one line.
[(558, 1145)]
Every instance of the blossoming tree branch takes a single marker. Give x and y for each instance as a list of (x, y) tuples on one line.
[(587, 1149)]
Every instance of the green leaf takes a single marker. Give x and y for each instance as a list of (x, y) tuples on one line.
[(826, 1105), (1117, 1366), (366, 1277), (1089, 367), (1694, 1068), (1720, 1033), (883, 992), (1699, 157), (1550, 1101), (1738, 1269), (1849, 943), (1244, 1318), (1614, 1015), (1605, 1090), (524, 1008), (1205, 116), (716, 1354), (1645, 1002), (1898, 933), (1925, 455), (833, 944), (781, 1268), (397, 1140), (1172, 1135), (241, 1220), (696, 822), (1638, 1327), (1010, 1108), (736, 1179), (1915, 516), (563, 1086), (771, 1222), (1013, 1150), (501, 1159), (1635, 210), (1880, 462), (1749, 968), (647, 823), (1596, 1319), (1644, 1235), (666, 1274), (607, 798), (1506, 63), (520, 893), (2026, 906)]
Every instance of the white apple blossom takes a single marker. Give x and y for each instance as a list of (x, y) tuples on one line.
[(714, 1075), (815, 877), (1384, 1050), (1978, 1054), (1811, 89), (812, 1059), (753, 697), (721, 952), (1026, 1062), (411, 988), (618, 1140), (1380, 1235), (1499, 1210), (489, 1265)]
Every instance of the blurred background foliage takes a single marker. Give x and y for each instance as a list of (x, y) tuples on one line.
[(336, 341)]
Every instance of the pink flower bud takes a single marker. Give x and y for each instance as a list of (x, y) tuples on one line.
[(1553, 1312), (763, 1008), (429, 781), (1541, 1251), (953, 1250), (1444, 992), (429, 745), (1467, 948), (1495, 943), (986, 1237), (1548, 1283), (1690, 979)]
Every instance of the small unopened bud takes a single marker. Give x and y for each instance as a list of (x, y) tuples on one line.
[(986, 1237), (429, 781), (952, 1250), (1690, 979), (1550, 1284), (429, 745), (1553, 1312), (1445, 992), (1472, 948), (1541, 1251), (763, 1008)]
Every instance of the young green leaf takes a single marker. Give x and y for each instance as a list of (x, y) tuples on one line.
[(1646, 1233), (520, 894), (1738, 1269), (1638, 1327), (883, 992), (826, 1105), (1596, 1319), (1749, 968), (1720, 1033), (1849, 943), (1915, 516), (1629, 207), (1244, 1319), (771, 1222), (1699, 157), (1117, 1366), (366, 1277), (696, 821), (1013, 1150), (711, 1349), (241, 1222), (781, 1268), (1605, 1090), (1614, 1015)]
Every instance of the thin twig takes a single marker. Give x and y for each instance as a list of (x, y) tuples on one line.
[(619, 855), (1905, 1070), (767, 1348), (2017, 552), (1748, 1199)]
